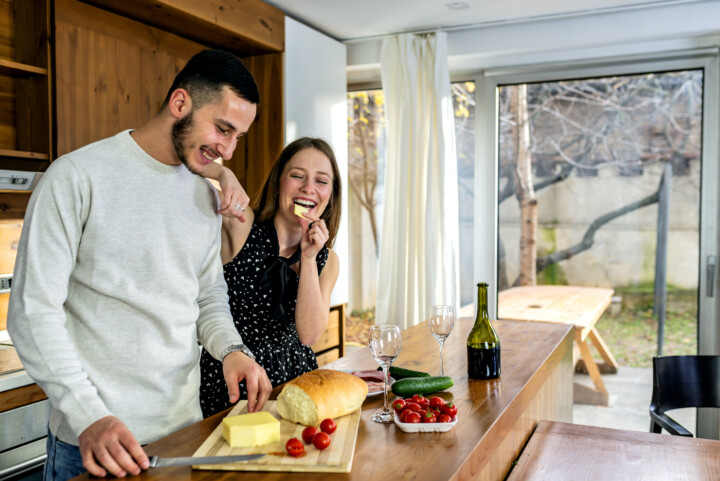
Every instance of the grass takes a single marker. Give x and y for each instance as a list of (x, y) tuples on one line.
[(629, 332)]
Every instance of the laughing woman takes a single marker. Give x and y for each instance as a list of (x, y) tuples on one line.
[(280, 269)]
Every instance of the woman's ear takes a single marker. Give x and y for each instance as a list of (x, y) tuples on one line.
[(180, 103)]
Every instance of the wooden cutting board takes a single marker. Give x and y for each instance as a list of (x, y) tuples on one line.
[(337, 458)]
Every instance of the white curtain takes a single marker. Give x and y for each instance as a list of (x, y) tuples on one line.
[(418, 265)]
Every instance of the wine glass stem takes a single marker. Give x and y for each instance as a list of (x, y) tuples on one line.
[(385, 385), (442, 363)]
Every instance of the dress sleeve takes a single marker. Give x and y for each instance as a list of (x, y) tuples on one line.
[(46, 257), (216, 329)]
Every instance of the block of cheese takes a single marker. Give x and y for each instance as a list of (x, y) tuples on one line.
[(321, 394), (300, 210), (253, 429)]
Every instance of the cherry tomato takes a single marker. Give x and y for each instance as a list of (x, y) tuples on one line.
[(412, 417), (295, 447), (450, 409), (308, 434), (328, 426), (398, 405), (444, 418), (412, 407), (429, 417), (321, 440), (404, 414), (416, 398), (437, 402)]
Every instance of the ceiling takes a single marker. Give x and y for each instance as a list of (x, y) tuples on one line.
[(348, 20)]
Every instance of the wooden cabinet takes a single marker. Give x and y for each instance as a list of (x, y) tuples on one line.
[(331, 345), (25, 85), (115, 61)]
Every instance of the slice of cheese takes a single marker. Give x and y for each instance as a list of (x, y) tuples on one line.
[(254, 429), (300, 210)]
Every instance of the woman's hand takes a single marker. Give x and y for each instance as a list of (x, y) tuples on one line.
[(233, 200), (315, 235)]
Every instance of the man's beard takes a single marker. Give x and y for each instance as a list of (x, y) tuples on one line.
[(180, 133)]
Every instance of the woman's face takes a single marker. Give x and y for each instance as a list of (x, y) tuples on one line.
[(306, 180)]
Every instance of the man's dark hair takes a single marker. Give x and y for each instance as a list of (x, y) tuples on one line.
[(207, 73)]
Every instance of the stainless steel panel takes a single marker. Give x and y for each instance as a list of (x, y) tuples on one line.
[(23, 458), (24, 424)]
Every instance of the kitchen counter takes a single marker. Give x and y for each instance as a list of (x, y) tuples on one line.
[(496, 417), (12, 374)]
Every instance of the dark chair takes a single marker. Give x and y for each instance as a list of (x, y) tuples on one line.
[(682, 382)]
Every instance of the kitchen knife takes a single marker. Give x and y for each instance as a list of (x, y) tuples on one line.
[(156, 462)]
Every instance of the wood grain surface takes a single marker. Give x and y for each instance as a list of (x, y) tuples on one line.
[(560, 451), (21, 396), (337, 458), (496, 416), (579, 306), (250, 27)]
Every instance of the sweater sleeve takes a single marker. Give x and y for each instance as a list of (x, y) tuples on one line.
[(216, 329), (46, 257)]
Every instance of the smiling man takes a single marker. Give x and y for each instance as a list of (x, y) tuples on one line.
[(118, 277)]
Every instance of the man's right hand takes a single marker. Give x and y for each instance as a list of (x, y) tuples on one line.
[(107, 445)]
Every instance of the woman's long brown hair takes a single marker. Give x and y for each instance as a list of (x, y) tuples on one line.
[(266, 205)]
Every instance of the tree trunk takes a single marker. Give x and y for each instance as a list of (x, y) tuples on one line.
[(525, 194)]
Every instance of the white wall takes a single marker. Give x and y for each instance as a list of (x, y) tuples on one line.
[(315, 91)]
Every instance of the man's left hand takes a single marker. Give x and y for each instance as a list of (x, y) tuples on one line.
[(236, 367)]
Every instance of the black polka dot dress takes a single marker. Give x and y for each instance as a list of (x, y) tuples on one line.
[(263, 291)]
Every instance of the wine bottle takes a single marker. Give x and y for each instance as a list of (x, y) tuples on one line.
[(483, 343)]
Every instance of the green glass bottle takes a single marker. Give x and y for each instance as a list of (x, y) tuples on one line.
[(483, 343)]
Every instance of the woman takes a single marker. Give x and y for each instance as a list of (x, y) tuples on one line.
[(279, 268)]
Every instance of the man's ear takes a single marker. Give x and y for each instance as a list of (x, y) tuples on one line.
[(180, 103)]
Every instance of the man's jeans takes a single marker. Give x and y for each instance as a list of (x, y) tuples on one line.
[(63, 460)]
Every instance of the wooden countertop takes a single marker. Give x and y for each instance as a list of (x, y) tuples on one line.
[(487, 410), (560, 451)]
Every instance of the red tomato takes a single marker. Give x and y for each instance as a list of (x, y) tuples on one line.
[(295, 447), (416, 398), (328, 426), (429, 417), (404, 414), (450, 409), (308, 434), (412, 417), (412, 407), (437, 402), (444, 418), (398, 405), (321, 440)]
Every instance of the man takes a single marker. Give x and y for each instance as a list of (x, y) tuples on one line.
[(118, 276)]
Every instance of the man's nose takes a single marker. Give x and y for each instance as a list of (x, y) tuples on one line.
[(227, 148)]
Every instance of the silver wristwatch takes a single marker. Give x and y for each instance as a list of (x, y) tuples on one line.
[(237, 347)]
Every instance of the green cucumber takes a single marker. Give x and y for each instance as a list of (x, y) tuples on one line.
[(398, 373), (421, 385)]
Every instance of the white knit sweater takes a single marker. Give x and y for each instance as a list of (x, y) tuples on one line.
[(117, 278)]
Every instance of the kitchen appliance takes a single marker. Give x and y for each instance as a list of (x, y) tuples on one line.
[(23, 431)]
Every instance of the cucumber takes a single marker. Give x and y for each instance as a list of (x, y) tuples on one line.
[(398, 373), (421, 385)]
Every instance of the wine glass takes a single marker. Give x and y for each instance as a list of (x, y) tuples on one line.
[(440, 321), (385, 347)]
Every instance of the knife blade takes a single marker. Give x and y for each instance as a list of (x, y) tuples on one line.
[(156, 462)]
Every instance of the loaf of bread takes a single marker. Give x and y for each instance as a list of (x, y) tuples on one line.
[(321, 394)]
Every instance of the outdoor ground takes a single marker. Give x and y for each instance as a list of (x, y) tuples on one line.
[(630, 331)]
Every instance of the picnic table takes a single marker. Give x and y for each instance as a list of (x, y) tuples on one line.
[(576, 305)]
